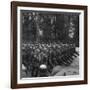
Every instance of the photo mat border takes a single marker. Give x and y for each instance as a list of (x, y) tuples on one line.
[(56, 78)]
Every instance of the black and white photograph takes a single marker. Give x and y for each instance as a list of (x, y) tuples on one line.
[(49, 43)]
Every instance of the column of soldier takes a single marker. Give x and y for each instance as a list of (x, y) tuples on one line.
[(47, 55)]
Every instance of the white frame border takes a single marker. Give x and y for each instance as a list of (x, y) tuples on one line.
[(55, 78)]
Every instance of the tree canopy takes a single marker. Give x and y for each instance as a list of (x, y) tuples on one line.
[(49, 27)]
